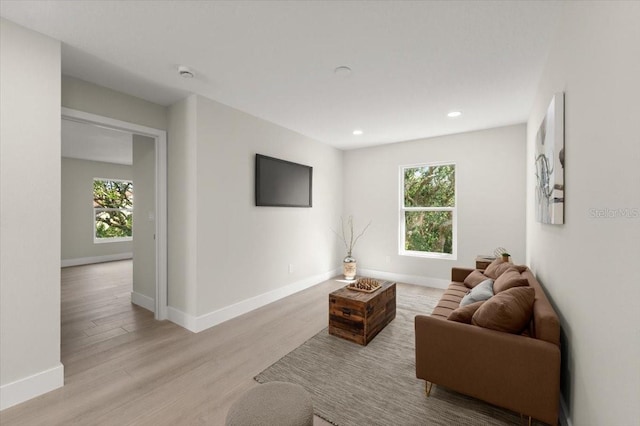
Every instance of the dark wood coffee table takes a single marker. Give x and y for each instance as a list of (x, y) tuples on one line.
[(358, 316)]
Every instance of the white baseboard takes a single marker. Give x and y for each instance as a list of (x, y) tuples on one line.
[(565, 420), (404, 278), (95, 259), (203, 322), (143, 301), (182, 319), (24, 389)]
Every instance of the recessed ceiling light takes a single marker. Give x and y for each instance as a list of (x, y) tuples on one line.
[(342, 71), (185, 72), (357, 132), (453, 114)]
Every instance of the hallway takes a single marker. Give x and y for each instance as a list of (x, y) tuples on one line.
[(96, 308)]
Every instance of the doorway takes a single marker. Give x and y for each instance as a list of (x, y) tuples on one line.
[(149, 146)]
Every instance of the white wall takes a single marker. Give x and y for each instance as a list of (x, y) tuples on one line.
[(88, 97), (244, 250), (77, 209), (144, 244), (226, 254), (182, 206), (490, 179), (29, 214), (587, 265)]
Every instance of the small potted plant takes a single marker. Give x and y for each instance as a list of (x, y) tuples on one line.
[(505, 256)]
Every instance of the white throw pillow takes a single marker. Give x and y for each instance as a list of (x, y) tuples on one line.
[(482, 291)]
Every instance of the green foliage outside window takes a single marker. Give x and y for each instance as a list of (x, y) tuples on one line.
[(113, 208), (429, 200)]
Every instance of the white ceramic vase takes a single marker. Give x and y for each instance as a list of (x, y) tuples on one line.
[(349, 267)]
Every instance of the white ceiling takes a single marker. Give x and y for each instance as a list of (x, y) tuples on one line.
[(413, 62), (96, 143)]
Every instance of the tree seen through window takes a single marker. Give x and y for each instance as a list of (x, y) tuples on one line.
[(113, 208), (429, 208)]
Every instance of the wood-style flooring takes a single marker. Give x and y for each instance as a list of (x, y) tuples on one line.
[(96, 306), (124, 368)]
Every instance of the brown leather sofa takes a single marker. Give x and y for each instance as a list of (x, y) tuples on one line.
[(519, 372)]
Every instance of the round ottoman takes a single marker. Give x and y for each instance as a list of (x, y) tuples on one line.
[(273, 403)]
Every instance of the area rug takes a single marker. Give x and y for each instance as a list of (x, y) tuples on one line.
[(353, 385)]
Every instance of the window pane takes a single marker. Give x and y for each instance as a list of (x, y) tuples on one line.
[(112, 194), (430, 186), (429, 231), (113, 224)]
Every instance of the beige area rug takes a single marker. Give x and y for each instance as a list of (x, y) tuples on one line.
[(352, 385)]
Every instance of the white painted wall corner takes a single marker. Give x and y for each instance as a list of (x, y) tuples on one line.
[(32, 386), (143, 301), (184, 320)]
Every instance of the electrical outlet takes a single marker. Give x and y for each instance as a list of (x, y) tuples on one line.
[(291, 268)]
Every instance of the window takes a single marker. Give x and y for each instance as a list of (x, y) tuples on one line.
[(112, 210), (428, 211)]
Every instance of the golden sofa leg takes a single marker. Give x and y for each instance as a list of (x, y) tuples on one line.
[(427, 388), (522, 418)]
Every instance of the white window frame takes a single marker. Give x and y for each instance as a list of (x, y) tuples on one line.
[(97, 240), (402, 210)]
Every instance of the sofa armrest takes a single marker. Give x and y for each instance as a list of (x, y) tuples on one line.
[(513, 371), (459, 274)]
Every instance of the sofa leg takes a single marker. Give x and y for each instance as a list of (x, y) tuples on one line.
[(522, 418), (427, 388)]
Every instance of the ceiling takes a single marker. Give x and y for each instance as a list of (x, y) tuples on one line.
[(412, 62), (90, 142)]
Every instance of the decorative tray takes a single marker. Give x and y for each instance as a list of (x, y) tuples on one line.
[(365, 285)]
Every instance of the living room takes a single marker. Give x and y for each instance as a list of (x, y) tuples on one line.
[(593, 59)]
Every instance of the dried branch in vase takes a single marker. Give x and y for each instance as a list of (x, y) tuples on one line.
[(349, 238)]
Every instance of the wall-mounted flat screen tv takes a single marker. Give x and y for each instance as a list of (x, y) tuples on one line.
[(281, 183)]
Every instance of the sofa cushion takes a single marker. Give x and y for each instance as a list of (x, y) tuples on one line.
[(474, 278), (450, 300), (464, 313), (482, 291), (509, 311), (509, 279), (496, 268)]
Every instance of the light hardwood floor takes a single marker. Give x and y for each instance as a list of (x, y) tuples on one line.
[(124, 368)]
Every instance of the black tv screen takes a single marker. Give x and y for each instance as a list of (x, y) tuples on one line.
[(282, 183)]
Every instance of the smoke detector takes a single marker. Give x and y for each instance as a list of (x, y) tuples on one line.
[(185, 72)]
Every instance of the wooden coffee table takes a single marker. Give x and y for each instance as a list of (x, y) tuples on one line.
[(358, 316)]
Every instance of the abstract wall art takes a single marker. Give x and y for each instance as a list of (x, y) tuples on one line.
[(549, 164)]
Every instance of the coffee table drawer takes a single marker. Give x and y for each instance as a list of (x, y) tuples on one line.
[(343, 309)]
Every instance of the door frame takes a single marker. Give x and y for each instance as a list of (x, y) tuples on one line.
[(160, 138)]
